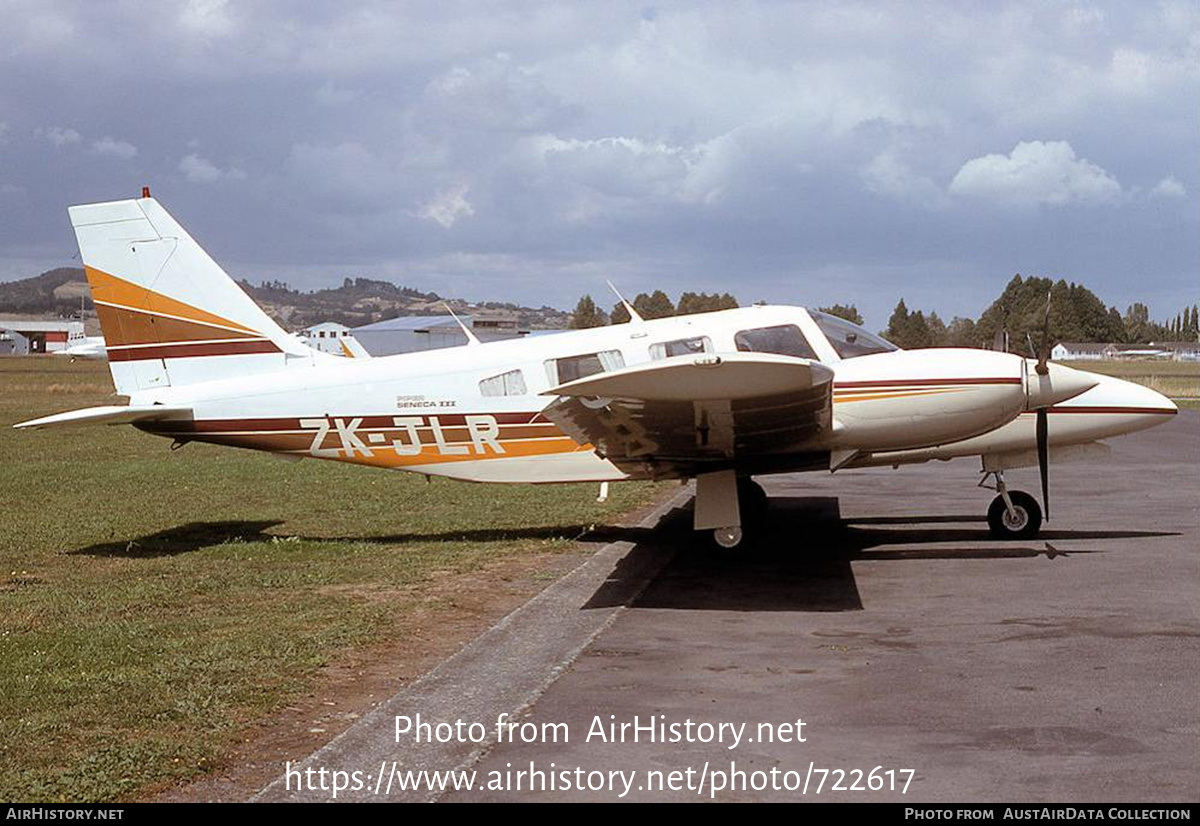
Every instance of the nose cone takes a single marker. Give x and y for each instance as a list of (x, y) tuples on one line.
[(1112, 408), (1059, 384), (1149, 406)]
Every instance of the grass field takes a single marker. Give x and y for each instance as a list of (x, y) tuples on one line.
[(153, 603), (1178, 380)]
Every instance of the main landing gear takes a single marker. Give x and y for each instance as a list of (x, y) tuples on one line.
[(732, 508), (1012, 514)]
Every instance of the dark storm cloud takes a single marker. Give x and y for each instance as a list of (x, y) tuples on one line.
[(803, 153)]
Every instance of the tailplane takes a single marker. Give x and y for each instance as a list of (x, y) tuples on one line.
[(170, 315)]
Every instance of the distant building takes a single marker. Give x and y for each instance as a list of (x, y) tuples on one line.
[(24, 337), (410, 334), (325, 337), (503, 323), (1178, 350), (1091, 351), (1082, 351)]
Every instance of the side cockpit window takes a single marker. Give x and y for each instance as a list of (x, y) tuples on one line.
[(680, 347), (561, 371), (848, 339), (785, 340), (511, 383)]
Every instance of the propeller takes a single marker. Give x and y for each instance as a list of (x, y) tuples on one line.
[(1043, 422), (1043, 355), (1043, 455)]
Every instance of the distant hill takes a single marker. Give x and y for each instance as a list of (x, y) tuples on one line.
[(55, 292), (356, 302)]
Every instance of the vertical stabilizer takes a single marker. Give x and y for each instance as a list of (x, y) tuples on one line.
[(170, 315)]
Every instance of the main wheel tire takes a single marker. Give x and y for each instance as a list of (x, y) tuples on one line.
[(726, 539), (1024, 524)]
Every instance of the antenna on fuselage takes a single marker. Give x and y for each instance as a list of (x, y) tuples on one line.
[(471, 339), (633, 314)]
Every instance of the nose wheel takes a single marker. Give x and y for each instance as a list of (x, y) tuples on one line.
[(1022, 521), (1013, 514)]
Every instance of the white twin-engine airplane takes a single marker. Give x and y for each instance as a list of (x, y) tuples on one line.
[(80, 346), (718, 397)]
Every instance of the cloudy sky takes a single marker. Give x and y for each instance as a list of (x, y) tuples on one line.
[(791, 152)]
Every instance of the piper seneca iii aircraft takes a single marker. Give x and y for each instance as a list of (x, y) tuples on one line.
[(718, 397)]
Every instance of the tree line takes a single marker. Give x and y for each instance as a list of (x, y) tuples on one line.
[(648, 305), (1076, 314)]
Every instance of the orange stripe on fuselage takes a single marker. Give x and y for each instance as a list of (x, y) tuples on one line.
[(848, 398), (520, 435), (431, 454)]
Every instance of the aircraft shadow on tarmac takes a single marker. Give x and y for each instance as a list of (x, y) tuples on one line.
[(802, 561), (803, 554)]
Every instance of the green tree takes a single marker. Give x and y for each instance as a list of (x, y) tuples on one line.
[(619, 314), (938, 334), (1076, 314), (587, 314), (897, 322), (846, 311), (1137, 324), (961, 333), (655, 305), (690, 303), (913, 331)]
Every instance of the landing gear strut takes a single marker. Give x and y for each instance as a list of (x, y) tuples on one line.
[(732, 508), (1012, 514)]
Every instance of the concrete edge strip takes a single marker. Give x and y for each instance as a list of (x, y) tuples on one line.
[(565, 662), (491, 646)]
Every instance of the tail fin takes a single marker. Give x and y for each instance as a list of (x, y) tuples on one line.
[(170, 315), (352, 347)]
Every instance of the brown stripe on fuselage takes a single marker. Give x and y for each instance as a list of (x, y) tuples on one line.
[(390, 434), (876, 395), (445, 420), (391, 444), (1167, 411), (194, 350), (847, 385)]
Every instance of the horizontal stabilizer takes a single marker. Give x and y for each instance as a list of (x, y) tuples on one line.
[(710, 377), (110, 414)]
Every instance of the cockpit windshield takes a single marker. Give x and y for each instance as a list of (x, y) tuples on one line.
[(850, 340)]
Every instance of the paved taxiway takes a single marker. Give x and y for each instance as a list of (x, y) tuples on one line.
[(879, 611)]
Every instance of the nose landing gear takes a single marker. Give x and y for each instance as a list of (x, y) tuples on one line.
[(1012, 514)]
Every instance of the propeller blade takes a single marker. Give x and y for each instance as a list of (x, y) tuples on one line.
[(1044, 351), (1043, 454)]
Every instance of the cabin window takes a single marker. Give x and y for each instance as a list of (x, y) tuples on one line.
[(786, 340), (561, 371), (681, 347), (848, 339), (511, 383)]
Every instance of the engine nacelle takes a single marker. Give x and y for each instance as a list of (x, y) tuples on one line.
[(921, 398)]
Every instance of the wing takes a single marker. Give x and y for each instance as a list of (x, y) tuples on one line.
[(693, 414)]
